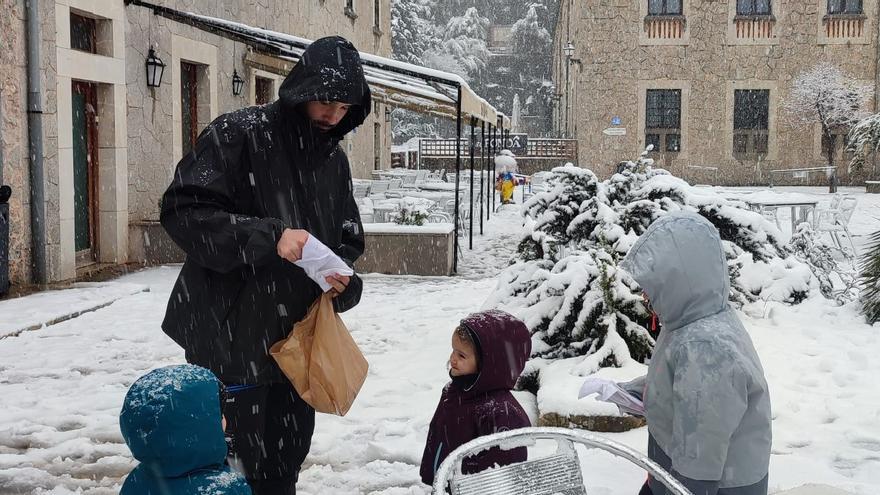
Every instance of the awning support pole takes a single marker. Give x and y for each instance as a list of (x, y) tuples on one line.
[(457, 179), (471, 186)]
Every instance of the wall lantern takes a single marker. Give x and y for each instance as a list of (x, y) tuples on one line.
[(237, 83), (155, 69)]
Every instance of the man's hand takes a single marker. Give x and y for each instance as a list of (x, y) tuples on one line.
[(290, 246), (339, 283)]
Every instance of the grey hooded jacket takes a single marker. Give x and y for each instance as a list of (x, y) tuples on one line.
[(706, 398)]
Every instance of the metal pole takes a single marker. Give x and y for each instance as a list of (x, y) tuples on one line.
[(482, 173), (35, 143), (490, 181), (457, 178), (471, 186), (500, 144)]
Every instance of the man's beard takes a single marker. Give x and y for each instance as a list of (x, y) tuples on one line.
[(322, 126)]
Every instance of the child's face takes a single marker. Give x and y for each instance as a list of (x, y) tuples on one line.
[(463, 360)]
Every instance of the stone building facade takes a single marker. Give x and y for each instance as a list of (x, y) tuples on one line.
[(705, 81), (13, 133), (110, 142)]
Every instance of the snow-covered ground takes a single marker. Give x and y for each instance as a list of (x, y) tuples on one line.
[(61, 387)]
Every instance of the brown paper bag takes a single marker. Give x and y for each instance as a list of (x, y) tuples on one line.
[(322, 360)]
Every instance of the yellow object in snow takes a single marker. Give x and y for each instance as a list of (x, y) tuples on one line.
[(507, 191)]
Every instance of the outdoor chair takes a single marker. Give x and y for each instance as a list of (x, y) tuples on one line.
[(835, 220), (556, 474), (378, 188), (439, 217), (360, 190), (449, 207), (421, 176)]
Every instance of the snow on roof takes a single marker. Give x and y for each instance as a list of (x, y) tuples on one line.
[(418, 81)]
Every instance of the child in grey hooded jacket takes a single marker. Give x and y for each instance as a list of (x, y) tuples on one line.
[(706, 398)]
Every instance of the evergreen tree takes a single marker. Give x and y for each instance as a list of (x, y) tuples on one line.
[(565, 284), (863, 140), (464, 47), (411, 30), (870, 280)]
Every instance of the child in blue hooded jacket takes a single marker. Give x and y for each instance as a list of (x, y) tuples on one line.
[(172, 423)]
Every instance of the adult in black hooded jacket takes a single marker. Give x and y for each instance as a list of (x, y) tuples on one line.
[(254, 177)]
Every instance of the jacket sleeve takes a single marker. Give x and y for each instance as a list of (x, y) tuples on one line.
[(710, 398), (502, 418), (198, 208), (433, 454), (635, 387), (350, 248)]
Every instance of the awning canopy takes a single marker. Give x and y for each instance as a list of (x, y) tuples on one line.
[(395, 83)]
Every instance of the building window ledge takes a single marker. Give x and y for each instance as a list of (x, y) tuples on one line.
[(664, 17), (665, 27), (754, 27), (761, 17), (844, 17)]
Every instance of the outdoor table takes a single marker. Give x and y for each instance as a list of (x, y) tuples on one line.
[(801, 207), (440, 186)]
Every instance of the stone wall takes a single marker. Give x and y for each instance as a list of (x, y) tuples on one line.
[(139, 137), (614, 65), (14, 165)]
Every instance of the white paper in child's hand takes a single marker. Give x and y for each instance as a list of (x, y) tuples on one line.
[(610, 391), (319, 262)]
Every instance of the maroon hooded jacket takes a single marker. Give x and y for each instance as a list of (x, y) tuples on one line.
[(486, 405)]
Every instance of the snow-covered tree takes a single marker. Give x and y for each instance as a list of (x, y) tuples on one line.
[(870, 280), (530, 41), (406, 124), (825, 95), (464, 47), (411, 30), (864, 139), (565, 284)]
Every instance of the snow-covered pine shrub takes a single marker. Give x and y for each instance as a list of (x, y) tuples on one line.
[(410, 212), (834, 282), (564, 281), (870, 280), (863, 140)]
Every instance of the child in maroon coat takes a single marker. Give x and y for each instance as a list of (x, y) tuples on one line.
[(489, 350)]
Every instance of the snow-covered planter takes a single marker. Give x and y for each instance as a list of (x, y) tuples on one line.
[(410, 211), (397, 249), (565, 282)]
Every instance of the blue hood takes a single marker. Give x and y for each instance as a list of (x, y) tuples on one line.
[(171, 421)]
